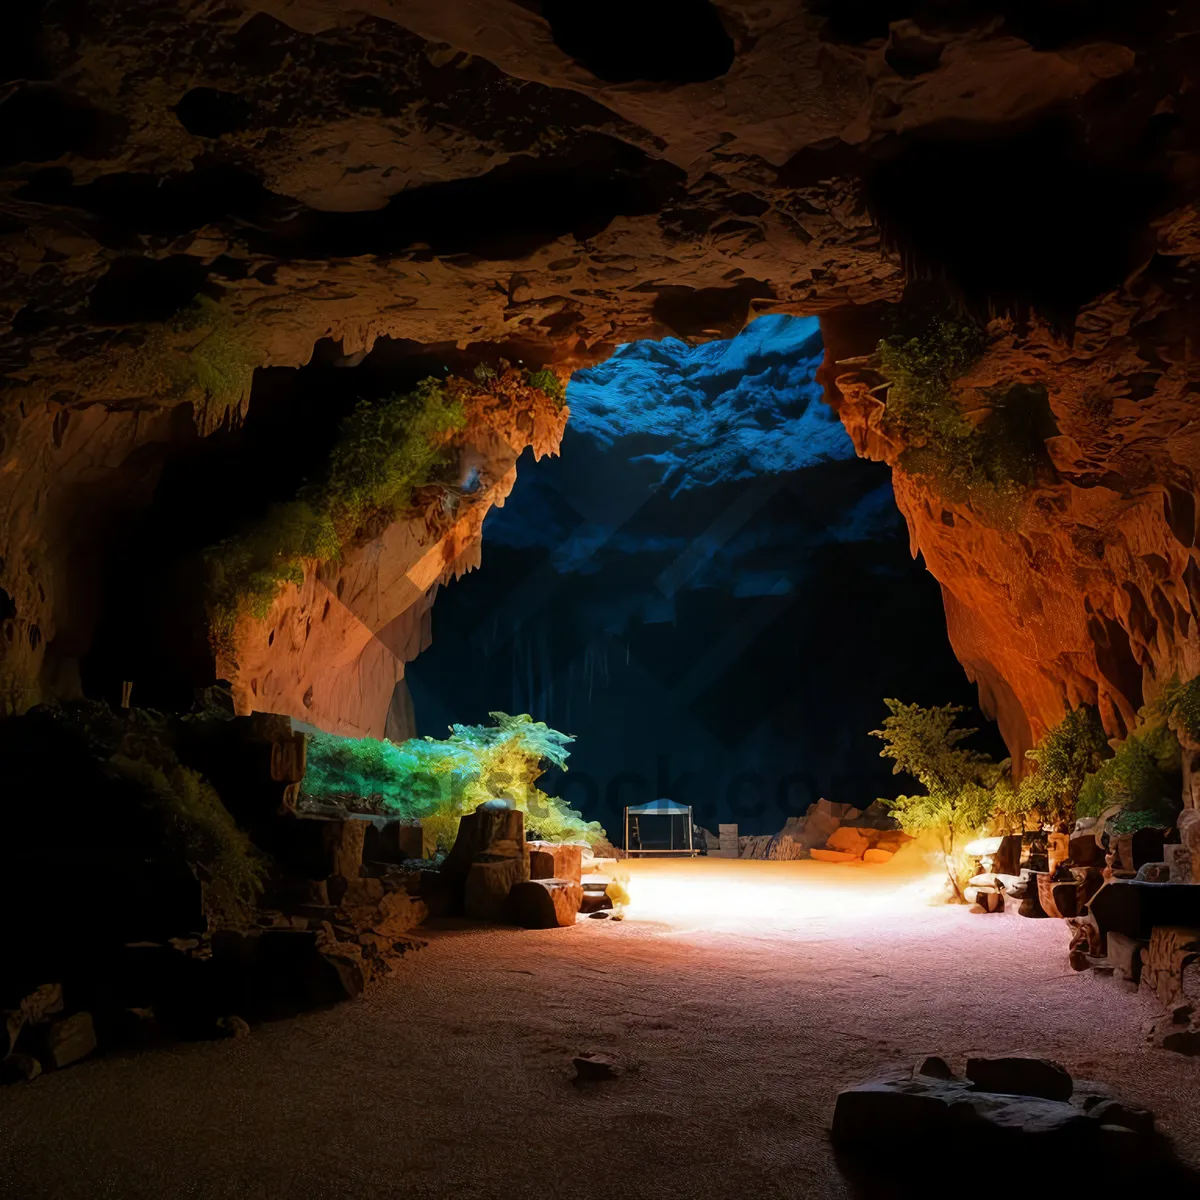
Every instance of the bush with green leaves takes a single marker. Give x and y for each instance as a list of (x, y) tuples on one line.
[(1064, 758), (385, 451), (134, 752), (547, 381), (1143, 777), (1180, 704), (440, 781), (989, 463), (964, 789)]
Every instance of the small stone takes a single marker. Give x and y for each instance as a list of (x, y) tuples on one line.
[(1113, 1112), (877, 855), (592, 1068), (934, 1067), (19, 1068), (234, 1026)]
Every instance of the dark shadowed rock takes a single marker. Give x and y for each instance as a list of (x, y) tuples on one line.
[(1020, 1077)]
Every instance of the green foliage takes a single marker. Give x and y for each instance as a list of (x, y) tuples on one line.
[(964, 789), (385, 451), (440, 781), (1065, 756), (220, 364), (1143, 776), (246, 571), (1180, 704), (547, 381), (136, 748), (197, 827), (990, 463)]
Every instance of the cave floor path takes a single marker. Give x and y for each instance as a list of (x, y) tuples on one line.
[(739, 997)]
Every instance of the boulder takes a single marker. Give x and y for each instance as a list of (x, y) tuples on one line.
[(833, 856), (19, 1068), (877, 855), (67, 1041), (901, 1123), (545, 903), (849, 840), (555, 860), (394, 841), (488, 883), (1020, 1076)]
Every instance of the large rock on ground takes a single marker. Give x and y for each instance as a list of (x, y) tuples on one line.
[(901, 1124), (488, 884), (555, 860), (545, 903), (849, 841)]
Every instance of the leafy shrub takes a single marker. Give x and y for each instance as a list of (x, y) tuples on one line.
[(439, 782), (989, 464), (135, 750), (198, 828), (385, 452), (1065, 757), (1143, 776), (961, 785), (547, 381), (1180, 704)]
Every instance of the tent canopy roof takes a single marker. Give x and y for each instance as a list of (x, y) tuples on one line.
[(660, 808)]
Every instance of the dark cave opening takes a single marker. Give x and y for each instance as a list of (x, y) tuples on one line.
[(708, 588)]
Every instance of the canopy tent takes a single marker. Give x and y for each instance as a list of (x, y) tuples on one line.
[(669, 829)]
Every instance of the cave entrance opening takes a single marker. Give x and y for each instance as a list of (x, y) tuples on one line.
[(707, 588)]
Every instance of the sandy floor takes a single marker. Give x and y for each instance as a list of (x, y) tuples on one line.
[(740, 996)]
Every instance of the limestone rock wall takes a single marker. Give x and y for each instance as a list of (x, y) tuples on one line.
[(333, 648), (1093, 594)]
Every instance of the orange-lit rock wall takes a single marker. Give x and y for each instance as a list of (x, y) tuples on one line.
[(333, 648), (1094, 594)]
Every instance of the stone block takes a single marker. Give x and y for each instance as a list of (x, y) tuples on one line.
[(545, 903), (729, 841), (395, 841), (849, 840), (68, 1040), (488, 884), (833, 856), (555, 860)]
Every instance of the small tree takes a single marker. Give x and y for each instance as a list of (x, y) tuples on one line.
[(958, 799), (1065, 757)]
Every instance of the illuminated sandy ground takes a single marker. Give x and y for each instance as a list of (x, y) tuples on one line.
[(740, 996)]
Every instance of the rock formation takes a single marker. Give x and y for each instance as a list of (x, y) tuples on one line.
[(189, 198)]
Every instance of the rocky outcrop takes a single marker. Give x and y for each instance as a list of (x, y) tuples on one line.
[(1088, 590), (187, 200), (332, 649)]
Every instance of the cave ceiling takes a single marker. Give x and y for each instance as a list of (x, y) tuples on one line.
[(194, 189)]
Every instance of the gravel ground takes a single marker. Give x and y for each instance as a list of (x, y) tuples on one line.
[(739, 996)]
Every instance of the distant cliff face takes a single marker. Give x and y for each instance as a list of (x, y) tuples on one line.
[(1088, 589)]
